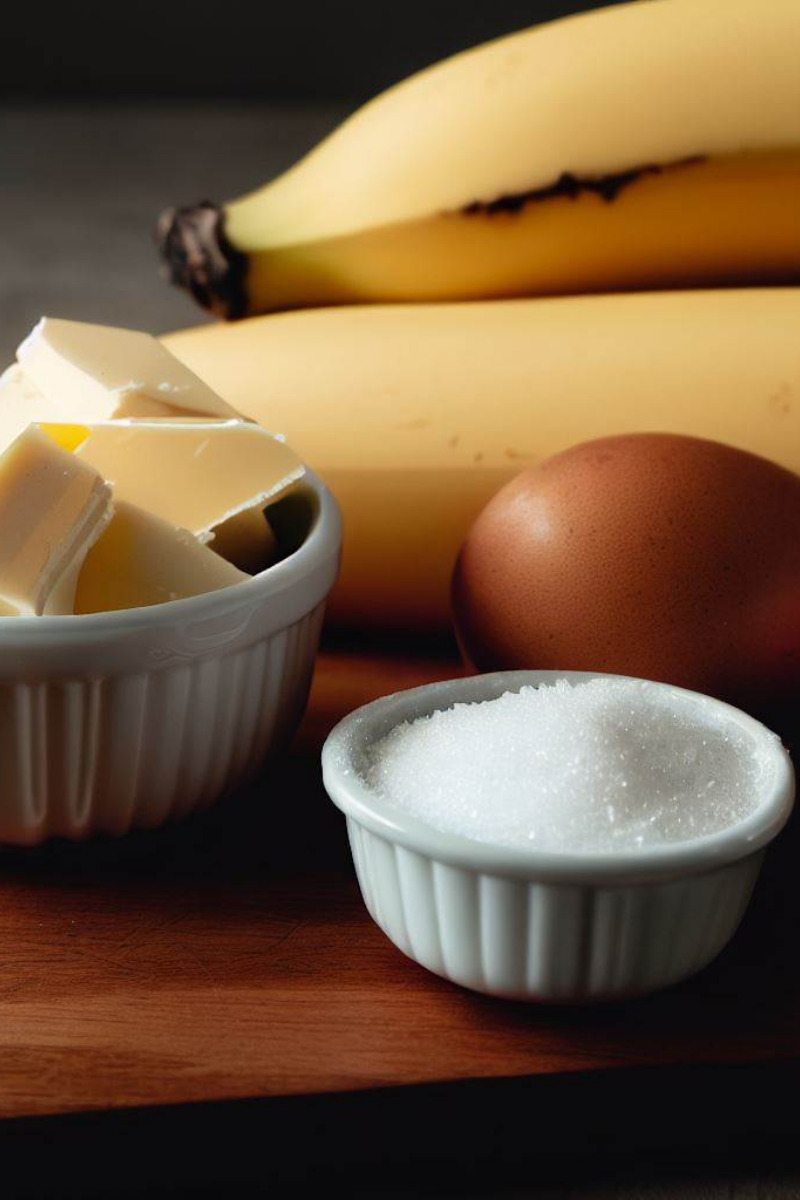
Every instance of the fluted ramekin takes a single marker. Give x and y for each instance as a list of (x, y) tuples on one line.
[(531, 925), (122, 720)]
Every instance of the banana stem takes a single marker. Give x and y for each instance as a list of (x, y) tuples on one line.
[(197, 255)]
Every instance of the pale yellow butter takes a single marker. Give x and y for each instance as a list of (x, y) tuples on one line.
[(247, 541), (141, 560), (197, 475), (53, 507), (20, 404), (69, 370), (100, 373)]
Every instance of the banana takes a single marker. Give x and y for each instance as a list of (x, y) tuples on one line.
[(648, 145), (416, 414)]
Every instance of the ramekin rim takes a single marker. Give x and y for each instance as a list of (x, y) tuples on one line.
[(351, 794), (323, 539)]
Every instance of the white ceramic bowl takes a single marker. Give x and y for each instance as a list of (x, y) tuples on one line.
[(532, 925), (128, 719)]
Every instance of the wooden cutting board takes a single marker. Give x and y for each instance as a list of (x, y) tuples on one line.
[(232, 957)]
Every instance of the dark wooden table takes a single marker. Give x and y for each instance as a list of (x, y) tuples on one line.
[(209, 1009), (219, 983)]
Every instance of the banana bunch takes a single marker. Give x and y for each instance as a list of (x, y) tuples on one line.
[(650, 146), (416, 414)]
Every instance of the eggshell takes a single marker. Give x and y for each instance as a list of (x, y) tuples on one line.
[(665, 557)]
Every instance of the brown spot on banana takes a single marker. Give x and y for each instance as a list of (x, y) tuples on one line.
[(607, 187)]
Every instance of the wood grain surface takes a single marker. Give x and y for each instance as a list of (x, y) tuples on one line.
[(232, 957)]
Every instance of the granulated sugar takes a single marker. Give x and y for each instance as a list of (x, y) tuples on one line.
[(606, 765)]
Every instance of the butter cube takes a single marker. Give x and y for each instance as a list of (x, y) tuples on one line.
[(197, 475), (68, 370), (53, 507), (20, 405), (247, 541), (141, 560)]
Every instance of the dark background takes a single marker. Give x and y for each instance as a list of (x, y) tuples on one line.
[(236, 48)]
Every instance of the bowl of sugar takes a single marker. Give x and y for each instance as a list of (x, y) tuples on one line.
[(558, 836)]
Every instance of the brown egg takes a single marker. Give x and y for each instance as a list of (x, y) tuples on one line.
[(665, 557)]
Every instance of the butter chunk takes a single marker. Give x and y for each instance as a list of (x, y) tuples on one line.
[(68, 370), (141, 560), (20, 405), (53, 507), (197, 475), (247, 541)]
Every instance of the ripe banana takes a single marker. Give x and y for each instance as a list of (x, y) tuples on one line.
[(648, 145), (416, 414)]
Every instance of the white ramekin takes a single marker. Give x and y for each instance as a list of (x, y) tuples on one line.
[(528, 925), (125, 720)]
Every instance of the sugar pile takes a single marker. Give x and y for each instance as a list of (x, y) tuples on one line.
[(605, 765)]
